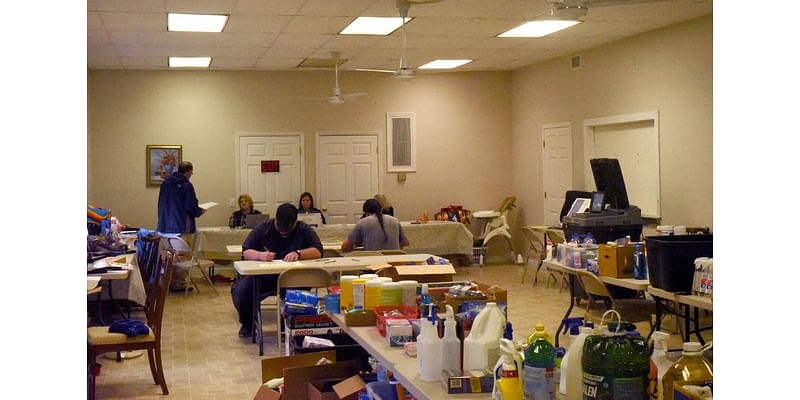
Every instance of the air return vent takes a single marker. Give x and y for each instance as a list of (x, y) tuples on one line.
[(576, 62)]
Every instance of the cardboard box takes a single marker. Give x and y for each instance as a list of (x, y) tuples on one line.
[(615, 261), (398, 332), (490, 293), (421, 273), (336, 389), (360, 318), (473, 382), (298, 370), (309, 321)]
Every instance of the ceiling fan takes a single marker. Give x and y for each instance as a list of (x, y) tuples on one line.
[(573, 10), (404, 72), (338, 97)]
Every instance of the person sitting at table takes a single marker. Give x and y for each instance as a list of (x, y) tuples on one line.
[(376, 231), (306, 206), (245, 208), (280, 238)]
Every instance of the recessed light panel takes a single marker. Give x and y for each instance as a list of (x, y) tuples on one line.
[(444, 64), (195, 22), (189, 62), (373, 26), (538, 28)]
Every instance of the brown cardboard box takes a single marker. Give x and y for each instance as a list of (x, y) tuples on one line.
[(298, 370), (360, 318), (421, 273), (490, 293), (346, 389), (615, 261)]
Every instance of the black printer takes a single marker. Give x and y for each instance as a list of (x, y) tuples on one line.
[(610, 216)]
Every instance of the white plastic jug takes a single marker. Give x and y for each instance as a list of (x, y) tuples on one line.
[(574, 366), (482, 346)]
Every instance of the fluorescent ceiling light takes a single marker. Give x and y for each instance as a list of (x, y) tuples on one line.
[(373, 26), (189, 62), (444, 64), (538, 28), (195, 22)]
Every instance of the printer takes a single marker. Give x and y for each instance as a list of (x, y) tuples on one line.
[(610, 216)]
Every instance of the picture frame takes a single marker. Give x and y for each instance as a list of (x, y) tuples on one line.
[(162, 161)]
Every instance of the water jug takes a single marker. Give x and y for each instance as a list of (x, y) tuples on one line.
[(482, 346)]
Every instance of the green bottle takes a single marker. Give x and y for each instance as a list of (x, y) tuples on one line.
[(539, 367), (615, 366)]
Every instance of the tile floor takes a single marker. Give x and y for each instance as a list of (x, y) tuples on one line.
[(205, 359)]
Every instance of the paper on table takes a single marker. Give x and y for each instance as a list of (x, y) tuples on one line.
[(206, 206)]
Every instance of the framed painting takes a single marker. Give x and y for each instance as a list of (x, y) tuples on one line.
[(162, 161)]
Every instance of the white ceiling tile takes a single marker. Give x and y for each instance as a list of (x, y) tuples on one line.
[(257, 23), (189, 51), (500, 43), (262, 40), (288, 52), (652, 11), (234, 62), (432, 26), (380, 53), (485, 27), (121, 21), (105, 61), (343, 42), (271, 7), (292, 40), (128, 6), (144, 62), (458, 9), (201, 6), (330, 8), (317, 25), (420, 42), (97, 37), (101, 50), (278, 63), (93, 22), (525, 9)]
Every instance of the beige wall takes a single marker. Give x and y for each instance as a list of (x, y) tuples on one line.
[(463, 132), (669, 70)]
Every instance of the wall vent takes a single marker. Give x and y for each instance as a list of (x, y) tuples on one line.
[(576, 62)]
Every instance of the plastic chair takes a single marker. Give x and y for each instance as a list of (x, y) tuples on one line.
[(301, 277), (392, 252), (100, 340), (631, 310), (496, 224), (182, 249)]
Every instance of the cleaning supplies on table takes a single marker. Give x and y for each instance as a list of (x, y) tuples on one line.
[(508, 385), (692, 369), (429, 348), (572, 368), (482, 346), (451, 345), (659, 365), (539, 367)]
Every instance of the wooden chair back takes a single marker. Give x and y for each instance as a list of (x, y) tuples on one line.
[(147, 253), (157, 290)]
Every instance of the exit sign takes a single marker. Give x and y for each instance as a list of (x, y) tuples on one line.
[(270, 166)]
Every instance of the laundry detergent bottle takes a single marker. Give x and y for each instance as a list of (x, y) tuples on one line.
[(482, 346), (539, 367), (573, 371)]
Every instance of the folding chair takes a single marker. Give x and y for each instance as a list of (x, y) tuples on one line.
[(182, 250)]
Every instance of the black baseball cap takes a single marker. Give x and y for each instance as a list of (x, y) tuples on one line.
[(285, 217)]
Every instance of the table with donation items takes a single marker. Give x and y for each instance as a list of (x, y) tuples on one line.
[(441, 238), (120, 280)]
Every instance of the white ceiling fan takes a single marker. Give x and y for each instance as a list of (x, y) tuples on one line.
[(404, 72), (338, 97)]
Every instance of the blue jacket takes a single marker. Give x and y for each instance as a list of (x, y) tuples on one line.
[(177, 205)]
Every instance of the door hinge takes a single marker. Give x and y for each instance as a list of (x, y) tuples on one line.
[(545, 195), (543, 144)]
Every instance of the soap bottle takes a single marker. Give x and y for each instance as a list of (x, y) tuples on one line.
[(509, 384), (451, 345), (430, 352), (691, 369), (539, 367), (659, 364), (482, 346)]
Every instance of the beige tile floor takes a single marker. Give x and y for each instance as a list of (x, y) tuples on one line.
[(205, 359)]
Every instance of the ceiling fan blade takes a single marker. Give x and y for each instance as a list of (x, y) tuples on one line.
[(388, 71), (354, 95)]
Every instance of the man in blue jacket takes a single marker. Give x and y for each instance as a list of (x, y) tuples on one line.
[(177, 209)]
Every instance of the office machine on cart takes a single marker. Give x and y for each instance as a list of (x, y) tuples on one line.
[(610, 216)]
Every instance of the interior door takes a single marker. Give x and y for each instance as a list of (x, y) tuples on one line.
[(347, 175), (557, 169), (270, 189)]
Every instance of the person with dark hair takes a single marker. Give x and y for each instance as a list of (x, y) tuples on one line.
[(245, 208), (306, 206), (280, 238), (386, 206), (376, 231), (177, 209)]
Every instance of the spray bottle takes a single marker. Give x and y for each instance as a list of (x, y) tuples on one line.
[(509, 384), (429, 349), (451, 345), (659, 364)]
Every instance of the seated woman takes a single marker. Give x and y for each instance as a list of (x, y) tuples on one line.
[(245, 208), (386, 207), (306, 206), (376, 231)]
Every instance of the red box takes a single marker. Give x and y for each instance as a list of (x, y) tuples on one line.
[(406, 312)]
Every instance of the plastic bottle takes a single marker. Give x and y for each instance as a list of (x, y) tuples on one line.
[(424, 300), (482, 346), (429, 349), (560, 353), (346, 286), (615, 365), (359, 293), (391, 294), (368, 277), (509, 385), (691, 369), (572, 365), (659, 364), (539, 367), (508, 332), (373, 294), (451, 345), (409, 289)]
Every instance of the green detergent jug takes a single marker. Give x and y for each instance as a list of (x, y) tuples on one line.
[(615, 365)]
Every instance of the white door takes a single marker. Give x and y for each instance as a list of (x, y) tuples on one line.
[(347, 175), (270, 189), (557, 169)]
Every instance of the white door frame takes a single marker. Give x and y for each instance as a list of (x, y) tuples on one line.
[(545, 127), (237, 138), (381, 156)]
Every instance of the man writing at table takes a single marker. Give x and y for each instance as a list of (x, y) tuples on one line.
[(281, 238)]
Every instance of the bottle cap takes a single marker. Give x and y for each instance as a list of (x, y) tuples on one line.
[(692, 347), (368, 276), (348, 278), (374, 283)]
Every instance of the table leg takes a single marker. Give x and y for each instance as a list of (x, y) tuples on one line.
[(686, 322), (571, 305), (697, 326), (100, 308)]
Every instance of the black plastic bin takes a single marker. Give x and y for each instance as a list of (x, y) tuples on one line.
[(346, 348), (670, 260)]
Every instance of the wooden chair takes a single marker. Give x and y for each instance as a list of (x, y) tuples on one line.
[(100, 340), (631, 310), (301, 277), (184, 251), (392, 252)]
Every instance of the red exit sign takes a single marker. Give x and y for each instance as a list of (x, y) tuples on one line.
[(270, 166)]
